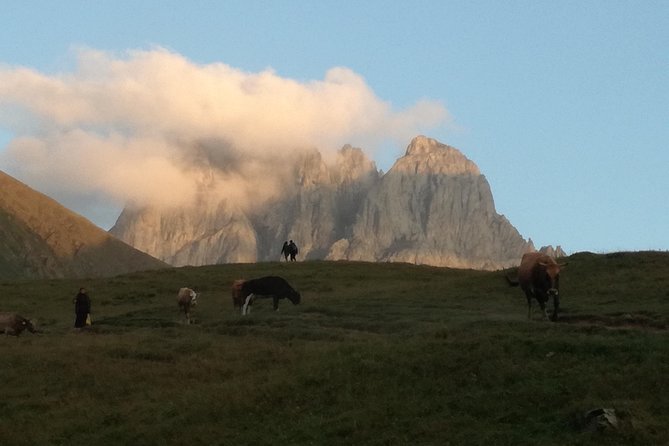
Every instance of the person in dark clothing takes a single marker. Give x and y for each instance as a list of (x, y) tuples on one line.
[(292, 249), (284, 250), (82, 308)]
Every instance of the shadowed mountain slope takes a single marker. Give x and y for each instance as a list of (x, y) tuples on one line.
[(39, 238)]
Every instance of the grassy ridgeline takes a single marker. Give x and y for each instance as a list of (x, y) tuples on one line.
[(376, 354)]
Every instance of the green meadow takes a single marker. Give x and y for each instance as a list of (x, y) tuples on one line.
[(376, 354)]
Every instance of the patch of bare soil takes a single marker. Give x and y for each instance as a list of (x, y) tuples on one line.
[(621, 321)]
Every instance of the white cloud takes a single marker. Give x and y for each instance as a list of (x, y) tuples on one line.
[(137, 128)]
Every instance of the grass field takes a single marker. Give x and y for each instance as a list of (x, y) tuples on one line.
[(376, 354)]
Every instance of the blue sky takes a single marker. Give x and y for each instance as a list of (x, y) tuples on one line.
[(563, 105)]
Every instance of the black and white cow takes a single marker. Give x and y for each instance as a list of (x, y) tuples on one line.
[(245, 292)]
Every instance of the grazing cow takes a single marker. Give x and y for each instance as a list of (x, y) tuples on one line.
[(247, 291), (539, 278), (186, 300), (13, 324)]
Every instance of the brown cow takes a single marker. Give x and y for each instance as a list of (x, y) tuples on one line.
[(539, 278), (186, 300), (13, 324)]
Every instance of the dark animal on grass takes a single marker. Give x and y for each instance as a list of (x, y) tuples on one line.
[(245, 292), (186, 300), (539, 278), (13, 324)]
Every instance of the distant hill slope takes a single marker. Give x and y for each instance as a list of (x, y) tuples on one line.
[(39, 238)]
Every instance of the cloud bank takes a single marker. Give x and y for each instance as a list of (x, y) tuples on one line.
[(140, 127)]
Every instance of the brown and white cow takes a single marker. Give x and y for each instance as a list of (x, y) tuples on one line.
[(237, 298), (539, 278), (186, 300), (13, 324), (244, 292)]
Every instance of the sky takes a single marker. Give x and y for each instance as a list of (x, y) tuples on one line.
[(564, 106)]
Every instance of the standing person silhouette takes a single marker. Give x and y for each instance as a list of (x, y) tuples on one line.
[(284, 251), (82, 308), (292, 248)]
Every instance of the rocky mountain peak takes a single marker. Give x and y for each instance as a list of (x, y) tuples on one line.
[(352, 164), (312, 170), (422, 145), (353, 159), (556, 252), (427, 155)]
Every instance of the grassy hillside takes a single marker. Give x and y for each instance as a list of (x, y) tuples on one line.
[(376, 354), (39, 238)]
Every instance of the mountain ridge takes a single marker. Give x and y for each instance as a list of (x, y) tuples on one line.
[(433, 206)]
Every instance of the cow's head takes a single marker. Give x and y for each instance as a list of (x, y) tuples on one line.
[(237, 299), (551, 277), (193, 298), (294, 297), (27, 325)]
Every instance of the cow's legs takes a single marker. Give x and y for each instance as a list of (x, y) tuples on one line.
[(529, 297), (556, 307), (246, 308), (542, 304)]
